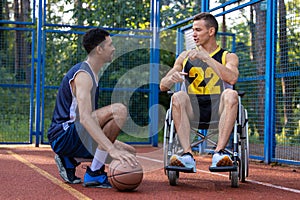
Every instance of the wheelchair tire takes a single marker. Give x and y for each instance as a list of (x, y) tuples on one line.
[(171, 148), (244, 160), (234, 176), (173, 176), (166, 146), (171, 142)]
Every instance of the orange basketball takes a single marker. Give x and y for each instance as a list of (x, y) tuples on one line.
[(123, 177)]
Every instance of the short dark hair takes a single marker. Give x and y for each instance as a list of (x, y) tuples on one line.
[(209, 19), (93, 38)]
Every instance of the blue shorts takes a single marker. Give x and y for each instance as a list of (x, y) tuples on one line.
[(69, 144)]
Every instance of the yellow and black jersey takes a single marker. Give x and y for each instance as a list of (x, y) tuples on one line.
[(204, 87), (202, 80)]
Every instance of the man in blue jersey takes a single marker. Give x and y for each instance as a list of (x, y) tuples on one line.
[(208, 73), (80, 130)]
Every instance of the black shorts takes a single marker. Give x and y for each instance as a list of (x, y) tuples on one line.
[(206, 110)]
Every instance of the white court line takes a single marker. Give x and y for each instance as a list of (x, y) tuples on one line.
[(146, 158), (251, 181), (72, 191), (275, 186)]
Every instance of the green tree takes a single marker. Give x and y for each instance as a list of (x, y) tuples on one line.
[(287, 62)]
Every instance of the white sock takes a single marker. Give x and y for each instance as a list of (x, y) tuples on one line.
[(99, 159)]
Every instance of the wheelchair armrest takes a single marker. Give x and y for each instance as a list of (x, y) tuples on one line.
[(241, 93), (170, 92)]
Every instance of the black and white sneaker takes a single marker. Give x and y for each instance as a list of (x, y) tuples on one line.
[(65, 173)]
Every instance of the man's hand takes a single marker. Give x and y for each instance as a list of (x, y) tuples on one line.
[(177, 77), (199, 53), (123, 146), (123, 156)]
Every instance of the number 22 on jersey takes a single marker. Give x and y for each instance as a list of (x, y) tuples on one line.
[(205, 82)]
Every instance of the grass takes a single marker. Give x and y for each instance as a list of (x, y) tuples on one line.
[(12, 130)]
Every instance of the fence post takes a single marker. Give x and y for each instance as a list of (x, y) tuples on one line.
[(38, 74), (204, 5), (154, 72), (269, 123)]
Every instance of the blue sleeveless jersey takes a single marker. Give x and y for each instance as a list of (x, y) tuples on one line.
[(66, 109)]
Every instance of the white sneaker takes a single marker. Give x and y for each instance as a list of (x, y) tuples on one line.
[(220, 159), (186, 160)]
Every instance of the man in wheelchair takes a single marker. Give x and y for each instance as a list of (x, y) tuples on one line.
[(208, 74)]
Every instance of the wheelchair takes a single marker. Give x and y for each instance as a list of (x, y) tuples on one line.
[(237, 148)]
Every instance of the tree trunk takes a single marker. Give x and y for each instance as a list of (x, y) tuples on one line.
[(22, 46), (252, 33), (1, 31), (259, 57), (78, 7), (17, 40), (26, 49), (286, 82)]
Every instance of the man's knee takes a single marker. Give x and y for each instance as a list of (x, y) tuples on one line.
[(120, 109), (230, 97), (179, 98)]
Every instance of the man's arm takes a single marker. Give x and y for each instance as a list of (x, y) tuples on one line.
[(175, 74), (230, 72), (82, 87)]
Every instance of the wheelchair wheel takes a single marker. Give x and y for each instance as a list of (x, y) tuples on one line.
[(166, 141), (243, 163), (173, 176), (244, 151), (172, 146), (171, 142), (234, 176)]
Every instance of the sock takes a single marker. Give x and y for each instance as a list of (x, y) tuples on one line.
[(99, 159)]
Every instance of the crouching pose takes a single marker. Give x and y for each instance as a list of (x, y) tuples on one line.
[(78, 128)]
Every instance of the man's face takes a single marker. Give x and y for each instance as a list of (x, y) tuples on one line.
[(201, 32), (108, 49)]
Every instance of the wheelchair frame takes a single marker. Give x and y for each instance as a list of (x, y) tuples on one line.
[(239, 150)]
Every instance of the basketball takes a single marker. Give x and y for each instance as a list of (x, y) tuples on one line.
[(124, 177)]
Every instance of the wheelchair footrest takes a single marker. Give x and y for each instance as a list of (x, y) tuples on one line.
[(180, 169), (223, 169)]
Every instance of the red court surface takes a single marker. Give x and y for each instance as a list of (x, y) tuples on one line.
[(28, 172)]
